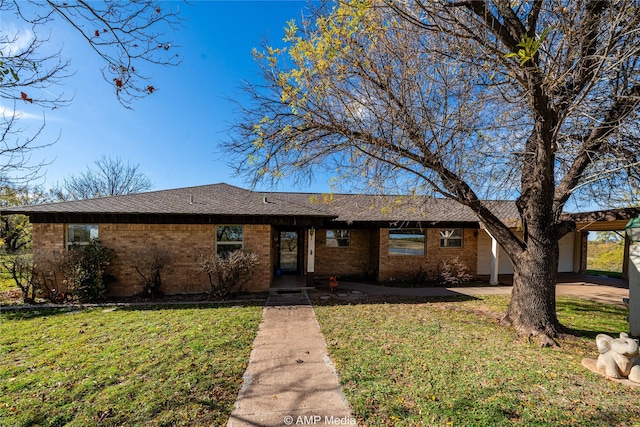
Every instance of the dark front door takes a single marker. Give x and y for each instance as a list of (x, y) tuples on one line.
[(288, 254)]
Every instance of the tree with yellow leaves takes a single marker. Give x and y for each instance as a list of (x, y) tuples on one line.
[(536, 101)]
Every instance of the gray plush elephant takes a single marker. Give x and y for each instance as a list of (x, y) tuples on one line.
[(618, 357)]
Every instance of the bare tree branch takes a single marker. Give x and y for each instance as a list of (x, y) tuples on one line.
[(128, 37), (111, 177)]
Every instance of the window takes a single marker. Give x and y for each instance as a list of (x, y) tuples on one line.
[(406, 241), (338, 238), (228, 238), (451, 238), (81, 234)]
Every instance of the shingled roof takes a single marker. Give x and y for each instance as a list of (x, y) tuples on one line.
[(227, 200), (215, 199), (354, 208)]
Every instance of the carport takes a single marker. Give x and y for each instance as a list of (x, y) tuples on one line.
[(605, 220)]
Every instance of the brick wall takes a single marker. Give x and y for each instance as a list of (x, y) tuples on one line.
[(184, 242), (49, 237), (351, 260), (368, 253), (404, 267), (258, 238)]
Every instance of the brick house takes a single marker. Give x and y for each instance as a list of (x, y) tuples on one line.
[(316, 235)]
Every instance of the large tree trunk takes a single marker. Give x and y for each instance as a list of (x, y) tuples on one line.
[(532, 310)]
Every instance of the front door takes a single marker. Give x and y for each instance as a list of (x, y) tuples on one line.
[(288, 254)]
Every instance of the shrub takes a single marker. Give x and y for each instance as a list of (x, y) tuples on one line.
[(228, 271), (21, 268), (79, 273), (453, 271), (90, 278), (149, 264), (53, 274)]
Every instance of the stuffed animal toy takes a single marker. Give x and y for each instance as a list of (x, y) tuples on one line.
[(618, 357)]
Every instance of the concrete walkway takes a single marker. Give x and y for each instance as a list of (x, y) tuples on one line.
[(290, 379)]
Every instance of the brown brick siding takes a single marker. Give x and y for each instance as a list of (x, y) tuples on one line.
[(352, 260), (257, 238), (184, 242), (366, 255), (403, 267), (49, 238)]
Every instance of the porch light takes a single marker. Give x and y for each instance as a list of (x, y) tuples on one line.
[(633, 230), (312, 231)]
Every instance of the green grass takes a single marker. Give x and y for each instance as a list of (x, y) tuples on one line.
[(6, 281), (605, 256), (451, 363), (108, 367)]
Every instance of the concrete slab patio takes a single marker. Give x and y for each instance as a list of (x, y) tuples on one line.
[(290, 379), (604, 290)]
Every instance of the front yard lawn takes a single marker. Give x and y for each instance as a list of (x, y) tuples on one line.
[(108, 366), (450, 363)]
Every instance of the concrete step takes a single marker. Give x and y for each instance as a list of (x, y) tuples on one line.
[(291, 297)]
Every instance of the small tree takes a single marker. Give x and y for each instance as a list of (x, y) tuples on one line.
[(228, 271), (149, 263), (21, 268)]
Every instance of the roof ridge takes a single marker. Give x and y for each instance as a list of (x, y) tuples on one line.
[(294, 193), (142, 193)]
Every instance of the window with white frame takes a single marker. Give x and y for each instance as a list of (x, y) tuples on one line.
[(338, 238), (451, 238), (229, 238), (406, 241), (81, 234)]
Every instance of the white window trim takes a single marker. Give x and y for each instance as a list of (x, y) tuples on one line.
[(461, 238)]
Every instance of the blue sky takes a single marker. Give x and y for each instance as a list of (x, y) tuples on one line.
[(174, 133)]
